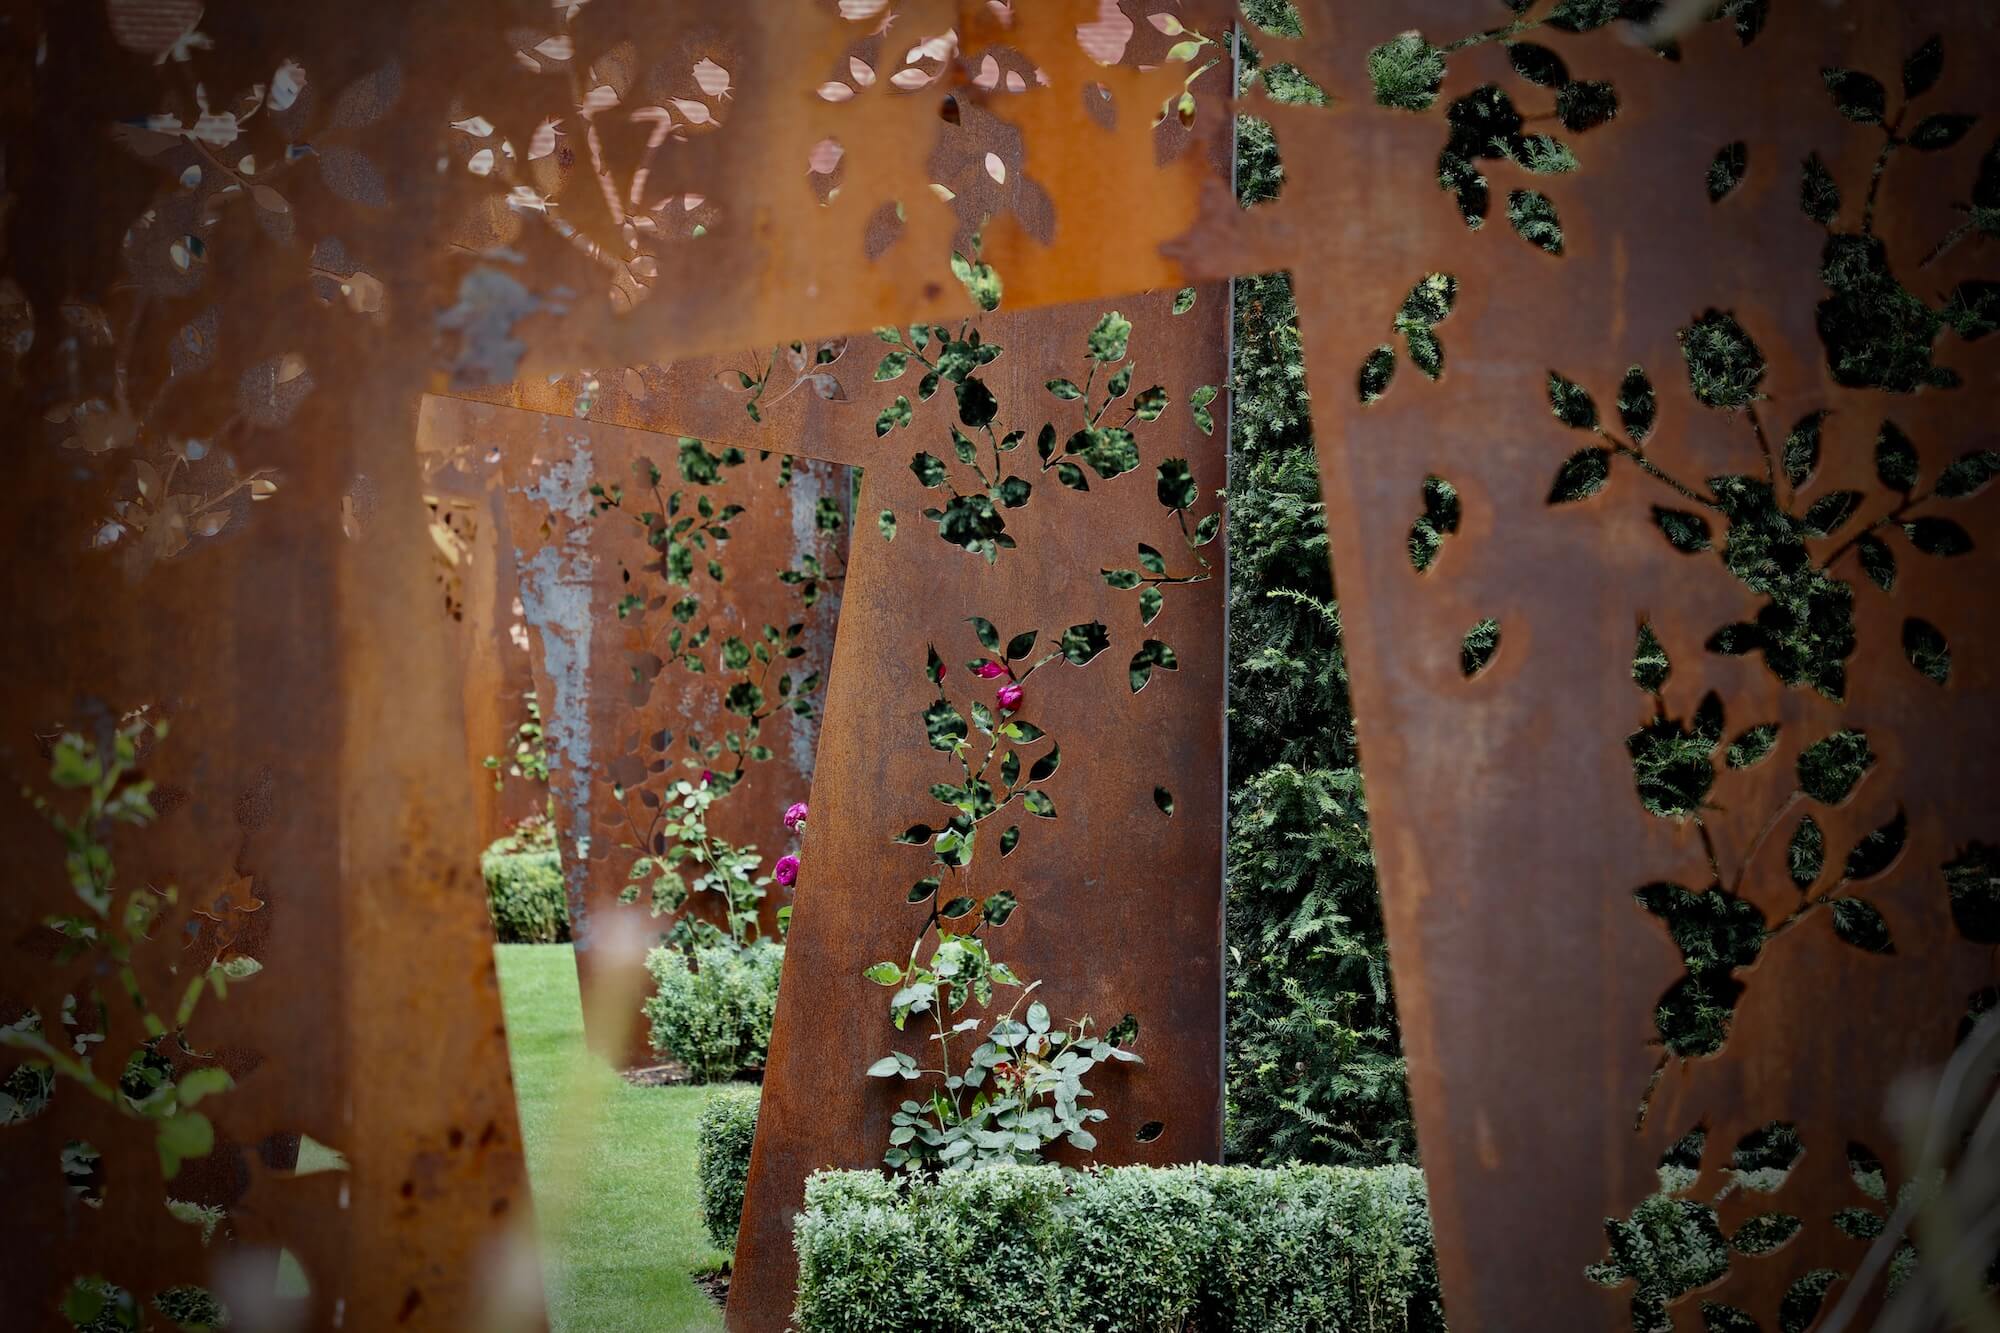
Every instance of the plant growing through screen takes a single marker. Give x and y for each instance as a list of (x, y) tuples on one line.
[(1020, 1088)]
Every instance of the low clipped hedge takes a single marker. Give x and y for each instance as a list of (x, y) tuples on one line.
[(1191, 1249), (723, 1133), (714, 1016), (524, 895)]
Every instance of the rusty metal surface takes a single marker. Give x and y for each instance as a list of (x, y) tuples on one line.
[(1509, 832), (476, 580), (303, 824), (1109, 861), (626, 716)]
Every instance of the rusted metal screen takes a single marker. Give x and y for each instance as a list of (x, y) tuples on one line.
[(1723, 375), (633, 649)]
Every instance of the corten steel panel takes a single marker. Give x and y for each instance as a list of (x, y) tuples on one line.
[(1507, 826), (489, 637), (1120, 905), (614, 691), (304, 822), (683, 179)]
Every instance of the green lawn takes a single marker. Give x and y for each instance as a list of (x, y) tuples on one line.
[(619, 1257)]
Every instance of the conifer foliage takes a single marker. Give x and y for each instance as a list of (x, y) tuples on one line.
[(1315, 1068)]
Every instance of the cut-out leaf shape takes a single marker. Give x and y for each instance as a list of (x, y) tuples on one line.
[(885, 523), (883, 974), (352, 176), (1877, 851), (916, 834), (1802, 449), (1719, 1318), (1039, 804), (1010, 839), (989, 638), (1581, 475), (1966, 475), (1151, 1130), (1534, 217), (976, 404), (1045, 767), (933, 665), (929, 470), (1826, 515), (1860, 1223), (1686, 531), (998, 907), (1198, 401), (1763, 1158), (1878, 562), (1165, 800), (1650, 667), (1724, 363), (1895, 458), (891, 367), (1376, 372), (1805, 855), (1638, 406), (1819, 193), (1857, 96), (1922, 67), (944, 725), (1022, 644), (1064, 389), (1859, 924), (1572, 406), (1753, 747), (1476, 649), (1800, 1307), (922, 890), (895, 414), (1175, 484), (1764, 1233), (1924, 644), (1537, 64), (1586, 104), (1184, 300), (1973, 881), (1732, 162), (1081, 643), (1937, 132), (956, 907), (1151, 599), (1152, 653), (1439, 519), (1866, 1170), (1937, 536), (1828, 769)]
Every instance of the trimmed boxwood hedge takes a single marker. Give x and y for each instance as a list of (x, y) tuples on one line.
[(1194, 1249), (722, 1159), (524, 894)]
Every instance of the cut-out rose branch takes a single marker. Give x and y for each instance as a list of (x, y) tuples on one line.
[(1021, 1086)]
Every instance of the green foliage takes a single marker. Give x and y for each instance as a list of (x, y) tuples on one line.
[(524, 894), (531, 754), (714, 1014), (723, 1136), (1315, 1065), (1225, 1249)]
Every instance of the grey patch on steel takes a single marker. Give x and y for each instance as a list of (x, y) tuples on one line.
[(490, 303), (556, 596), (810, 481)]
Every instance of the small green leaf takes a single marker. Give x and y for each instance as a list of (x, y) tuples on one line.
[(1571, 405), (884, 974), (1065, 389), (892, 366), (989, 637), (1184, 300)]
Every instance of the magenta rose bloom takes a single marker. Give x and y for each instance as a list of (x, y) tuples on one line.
[(795, 815), (1009, 697), (991, 671), (786, 872), (706, 777)]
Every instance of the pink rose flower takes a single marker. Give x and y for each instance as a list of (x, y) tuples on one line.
[(795, 815), (706, 777), (1009, 697), (786, 872), (991, 671)]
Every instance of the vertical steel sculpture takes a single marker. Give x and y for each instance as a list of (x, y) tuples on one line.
[(1654, 402), (1621, 315), (636, 622)]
